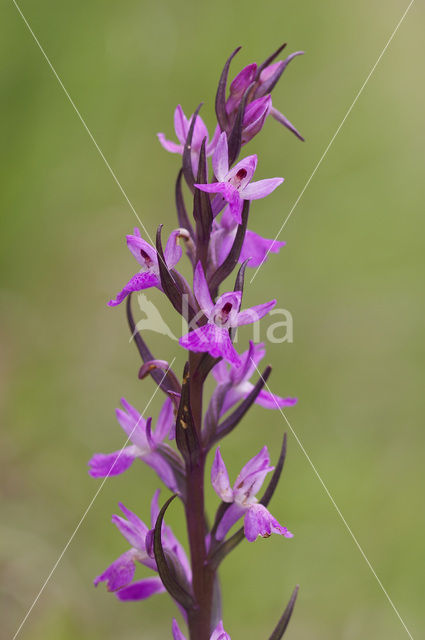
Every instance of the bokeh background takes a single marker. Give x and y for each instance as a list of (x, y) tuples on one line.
[(351, 275)]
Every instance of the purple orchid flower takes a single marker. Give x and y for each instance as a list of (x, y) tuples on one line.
[(200, 131), (144, 445), (218, 633), (258, 521), (119, 575), (237, 379), (146, 256), (213, 337), (234, 185), (255, 248), (261, 89)]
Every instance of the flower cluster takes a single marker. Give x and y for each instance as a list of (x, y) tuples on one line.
[(177, 448)]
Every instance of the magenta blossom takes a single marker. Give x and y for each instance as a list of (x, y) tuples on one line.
[(258, 521), (234, 185), (237, 379), (255, 248), (261, 90), (213, 337), (119, 575), (218, 633), (181, 127), (144, 445), (146, 256)]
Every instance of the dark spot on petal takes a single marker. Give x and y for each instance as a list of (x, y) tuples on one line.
[(241, 174), (146, 258)]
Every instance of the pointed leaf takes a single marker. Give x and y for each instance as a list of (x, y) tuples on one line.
[(202, 211), (182, 215), (233, 420), (167, 572), (235, 136), (230, 262), (165, 382), (187, 438), (271, 487), (212, 414), (171, 282), (240, 278), (187, 151), (269, 60), (284, 621), (239, 284), (220, 98)]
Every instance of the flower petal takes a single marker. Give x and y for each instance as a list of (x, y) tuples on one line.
[(251, 477), (219, 633), (133, 529), (144, 253), (138, 282), (103, 465), (242, 81), (231, 516), (173, 251), (255, 117), (201, 290), (245, 168), (211, 339), (253, 314), (161, 467), (260, 522), (177, 634), (165, 421), (277, 115), (141, 589), (227, 306), (220, 478), (181, 125), (270, 401), (169, 145), (135, 535), (220, 159), (199, 133), (212, 145), (120, 573), (261, 189), (133, 424), (256, 249)]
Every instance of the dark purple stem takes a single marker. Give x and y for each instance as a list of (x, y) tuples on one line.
[(199, 621)]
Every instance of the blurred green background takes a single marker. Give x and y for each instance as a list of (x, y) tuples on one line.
[(351, 274)]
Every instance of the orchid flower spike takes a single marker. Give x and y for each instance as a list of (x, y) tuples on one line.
[(119, 575), (213, 337), (237, 380), (258, 521), (181, 128), (144, 444), (234, 185), (218, 633), (146, 256)]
